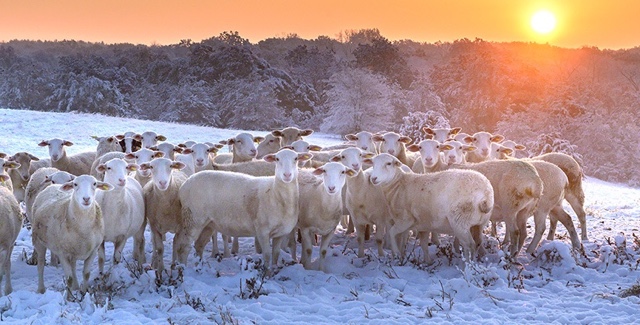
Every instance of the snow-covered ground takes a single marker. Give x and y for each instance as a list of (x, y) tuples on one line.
[(556, 286)]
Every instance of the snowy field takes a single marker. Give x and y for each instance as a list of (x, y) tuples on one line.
[(557, 286)]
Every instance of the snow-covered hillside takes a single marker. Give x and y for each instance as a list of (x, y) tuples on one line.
[(556, 286)]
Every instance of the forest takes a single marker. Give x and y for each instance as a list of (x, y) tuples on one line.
[(581, 101)]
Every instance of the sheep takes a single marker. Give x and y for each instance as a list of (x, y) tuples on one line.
[(200, 156), (461, 136), (499, 151), (516, 147), (517, 189), (482, 141), (457, 153), (441, 135), (20, 176), (555, 184), (364, 141), (244, 205), (243, 147), (161, 204), (365, 202), (169, 149), (107, 144), (95, 172), (122, 211), (253, 168), (149, 139), (189, 166), (5, 179), (430, 156), (270, 144), (290, 134), (40, 179), (394, 144), (77, 164), (319, 157), (68, 221), (320, 208), (575, 193), (10, 225), (128, 142), (457, 202), (140, 157)]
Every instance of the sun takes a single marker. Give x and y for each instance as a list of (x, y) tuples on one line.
[(543, 22)]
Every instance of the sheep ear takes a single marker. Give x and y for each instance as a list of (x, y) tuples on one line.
[(413, 148), (34, 158), (4, 178), (161, 138), (68, 186), (177, 149), (507, 151), (187, 151), (318, 171), (314, 147), (133, 167), (101, 168), (497, 138), (43, 143), (182, 145), (145, 166), (111, 139), (367, 161), (405, 139), (377, 138), (468, 148), (177, 165), (154, 148), (258, 139), (304, 156), (269, 158), (11, 164), (120, 137), (104, 186), (368, 155), (67, 143), (520, 147), (428, 130), (429, 136), (130, 156), (212, 150), (137, 137), (455, 131), (468, 139), (306, 133), (218, 146), (158, 154), (277, 133), (445, 147), (350, 172), (224, 142), (336, 158), (95, 137), (351, 137)]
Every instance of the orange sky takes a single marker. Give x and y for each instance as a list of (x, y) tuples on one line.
[(603, 23)]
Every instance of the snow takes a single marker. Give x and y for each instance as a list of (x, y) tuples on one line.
[(557, 286)]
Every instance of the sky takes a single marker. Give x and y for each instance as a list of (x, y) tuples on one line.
[(609, 24)]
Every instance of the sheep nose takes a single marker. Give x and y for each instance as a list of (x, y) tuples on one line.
[(332, 188), (374, 179), (199, 160), (355, 166), (429, 160), (54, 157), (287, 175), (122, 181), (391, 151), (253, 152), (86, 199), (163, 183), (485, 151), (365, 148)]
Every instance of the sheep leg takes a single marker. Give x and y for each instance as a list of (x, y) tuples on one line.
[(398, 228), (350, 225), (465, 240), (117, 249), (235, 247), (307, 247), (522, 232), (423, 236), (324, 244), (476, 233), (68, 267), (577, 204), (55, 260), (157, 258), (514, 236), (494, 229), (86, 271), (380, 240), (6, 271), (214, 239), (435, 238), (258, 246), (263, 239), (203, 239), (293, 245), (540, 220), (360, 229), (138, 244), (564, 218), (225, 246), (40, 251), (101, 257), (277, 242)]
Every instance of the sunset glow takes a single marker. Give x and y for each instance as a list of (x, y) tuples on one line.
[(543, 22)]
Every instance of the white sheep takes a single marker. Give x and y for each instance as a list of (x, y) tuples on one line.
[(103, 159), (200, 155), (270, 144), (107, 144), (262, 207), (575, 193), (128, 142), (431, 157), (68, 221), (442, 134), (149, 139), (10, 225), (243, 147), (482, 141), (364, 141), (319, 157), (5, 165), (40, 179), (140, 157), (366, 203), (20, 176), (169, 149), (516, 147), (77, 164), (455, 202), (161, 204), (253, 168), (320, 208), (394, 144), (122, 211), (517, 189), (457, 153), (290, 134)]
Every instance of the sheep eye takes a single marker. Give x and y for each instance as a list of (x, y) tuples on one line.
[(388, 164), (343, 156), (94, 184), (296, 159), (75, 185), (108, 168)]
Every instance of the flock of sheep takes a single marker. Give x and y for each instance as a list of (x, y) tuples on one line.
[(452, 183)]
